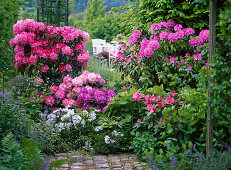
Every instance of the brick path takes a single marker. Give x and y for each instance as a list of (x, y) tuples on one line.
[(100, 162)]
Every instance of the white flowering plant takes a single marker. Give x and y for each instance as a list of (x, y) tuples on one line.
[(73, 124)]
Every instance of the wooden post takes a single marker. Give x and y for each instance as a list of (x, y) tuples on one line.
[(212, 47)]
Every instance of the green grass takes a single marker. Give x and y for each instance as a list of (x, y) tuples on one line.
[(102, 68)]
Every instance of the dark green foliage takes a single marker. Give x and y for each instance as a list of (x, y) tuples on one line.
[(11, 154), (140, 14), (48, 138), (9, 13)]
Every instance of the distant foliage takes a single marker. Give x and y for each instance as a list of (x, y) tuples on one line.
[(9, 14)]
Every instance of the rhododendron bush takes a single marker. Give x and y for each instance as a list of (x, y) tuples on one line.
[(165, 122), (169, 55), (84, 91), (48, 51)]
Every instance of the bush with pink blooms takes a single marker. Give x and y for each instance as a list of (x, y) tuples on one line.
[(169, 54), (48, 51), (84, 91), (160, 121)]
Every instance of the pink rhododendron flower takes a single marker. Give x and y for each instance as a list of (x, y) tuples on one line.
[(54, 56), (137, 96), (124, 47), (159, 105), (60, 94), (169, 100), (68, 102), (76, 90), (32, 60), (139, 121), (156, 99), (80, 46), (172, 37), (50, 101), (188, 31), (44, 68), (166, 60), (67, 79), (171, 23), (62, 86), (54, 88), (173, 94), (77, 81), (62, 68), (151, 108), (190, 67), (182, 61), (69, 68), (197, 57), (160, 122), (173, 60), (148, 98), (177, 27), (164, 35), (204, 35), (67, 50), (84, 57)]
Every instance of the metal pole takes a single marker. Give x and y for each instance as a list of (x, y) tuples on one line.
[(212, 47), (37, 10)]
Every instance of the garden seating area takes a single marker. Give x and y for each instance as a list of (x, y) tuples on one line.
[(160, 101)]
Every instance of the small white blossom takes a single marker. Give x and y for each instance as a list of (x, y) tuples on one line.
[(99, 128), (83, 122), (107, 139), (93, 116), (85, 112), (115, 133)]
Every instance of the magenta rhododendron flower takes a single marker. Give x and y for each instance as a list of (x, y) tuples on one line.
[(148, 98), (44, 68), (197, 57), (169, 100), (137, 96), (164, 35), (173, 94), (173, 60), (67, 79), (182, 61), (54, 88), (50, 101), (139, 121), (190, 67), (62, 86), (177, 27)]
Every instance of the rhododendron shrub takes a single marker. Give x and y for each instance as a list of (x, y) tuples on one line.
[(167, 122), (84, 91), (169, 54), (50, 51)]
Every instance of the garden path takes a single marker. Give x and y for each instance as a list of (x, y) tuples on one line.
[(80, 161)]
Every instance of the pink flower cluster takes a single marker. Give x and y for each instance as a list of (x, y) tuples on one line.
[(134, 37), (201, 39), (87, 78), (83, 91), (153, 103), (45, 46), (169, 31)]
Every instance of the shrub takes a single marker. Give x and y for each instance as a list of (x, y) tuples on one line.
[(167, 55), (48, 51)]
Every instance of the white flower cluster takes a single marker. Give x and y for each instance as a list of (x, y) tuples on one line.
[(109, 139), (88, 146), (65, 118), (99, 128), (115, 133)]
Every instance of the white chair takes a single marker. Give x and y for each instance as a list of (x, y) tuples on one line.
[(97, 42)]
